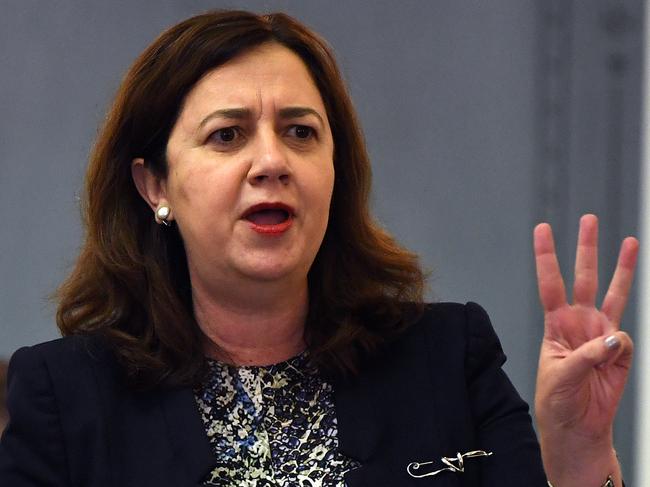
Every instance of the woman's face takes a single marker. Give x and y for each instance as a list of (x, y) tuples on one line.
[(251, 170)]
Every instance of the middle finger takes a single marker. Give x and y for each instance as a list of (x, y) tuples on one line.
[(585, 284)]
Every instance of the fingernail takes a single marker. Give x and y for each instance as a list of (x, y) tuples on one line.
[(612, 342)]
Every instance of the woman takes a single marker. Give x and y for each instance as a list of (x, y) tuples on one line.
[(236, 317)]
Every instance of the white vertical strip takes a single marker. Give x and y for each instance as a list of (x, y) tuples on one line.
[(642, 355)]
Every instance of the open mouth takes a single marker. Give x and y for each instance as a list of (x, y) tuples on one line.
[(268, 216)]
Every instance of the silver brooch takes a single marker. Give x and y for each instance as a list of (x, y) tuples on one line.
[(453, 464)]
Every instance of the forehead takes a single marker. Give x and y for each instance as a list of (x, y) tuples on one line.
[(269, 73)]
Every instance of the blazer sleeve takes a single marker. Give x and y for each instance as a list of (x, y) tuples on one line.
[(32, 451), (502, 422)]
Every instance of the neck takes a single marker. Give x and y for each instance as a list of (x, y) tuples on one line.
[(262, 326)]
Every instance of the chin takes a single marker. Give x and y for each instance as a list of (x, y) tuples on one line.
[(273, 264), (272, 271)]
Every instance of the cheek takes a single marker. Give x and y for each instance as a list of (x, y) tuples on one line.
[(320, 192), (203, 202), (203, 189), (192, 181)]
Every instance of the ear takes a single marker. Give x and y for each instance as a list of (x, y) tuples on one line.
[(152, 188)]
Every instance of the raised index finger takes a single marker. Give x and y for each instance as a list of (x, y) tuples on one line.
[(549, 279)]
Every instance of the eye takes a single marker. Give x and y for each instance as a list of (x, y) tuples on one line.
[(226, 135), (302, 132)]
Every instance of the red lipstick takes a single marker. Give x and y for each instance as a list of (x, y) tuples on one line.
[(269, 218)]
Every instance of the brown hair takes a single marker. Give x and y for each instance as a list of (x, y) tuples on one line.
[(131, 283)]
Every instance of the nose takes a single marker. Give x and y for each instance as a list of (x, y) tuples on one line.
[(269, 162)]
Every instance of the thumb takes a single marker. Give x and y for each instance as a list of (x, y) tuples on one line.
[(601, 351)]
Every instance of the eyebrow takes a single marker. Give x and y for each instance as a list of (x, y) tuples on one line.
[(243, 113), (297, 112)]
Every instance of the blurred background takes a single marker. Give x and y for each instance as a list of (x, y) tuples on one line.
[(482, 119)]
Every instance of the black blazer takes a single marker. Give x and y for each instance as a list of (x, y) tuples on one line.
[(436, 391)]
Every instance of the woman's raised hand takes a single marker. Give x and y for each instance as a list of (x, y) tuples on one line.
[(584, 359)]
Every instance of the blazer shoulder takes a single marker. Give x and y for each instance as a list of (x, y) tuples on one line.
[(83, 346), (68, 353), (73, 365), (458, 332), (51, 397), (467, 321)]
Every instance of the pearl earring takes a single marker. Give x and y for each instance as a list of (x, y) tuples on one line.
[(162, 213)]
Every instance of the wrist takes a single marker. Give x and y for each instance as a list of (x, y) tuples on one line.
[(608, 483), (579, 463)]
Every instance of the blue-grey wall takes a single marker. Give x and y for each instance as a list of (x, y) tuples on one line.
[(482, 118)]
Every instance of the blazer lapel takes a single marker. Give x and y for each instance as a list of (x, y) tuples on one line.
[(358, 426), (390, 415), (188, 437)]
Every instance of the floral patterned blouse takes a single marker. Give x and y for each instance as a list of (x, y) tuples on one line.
[(271, 426)]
